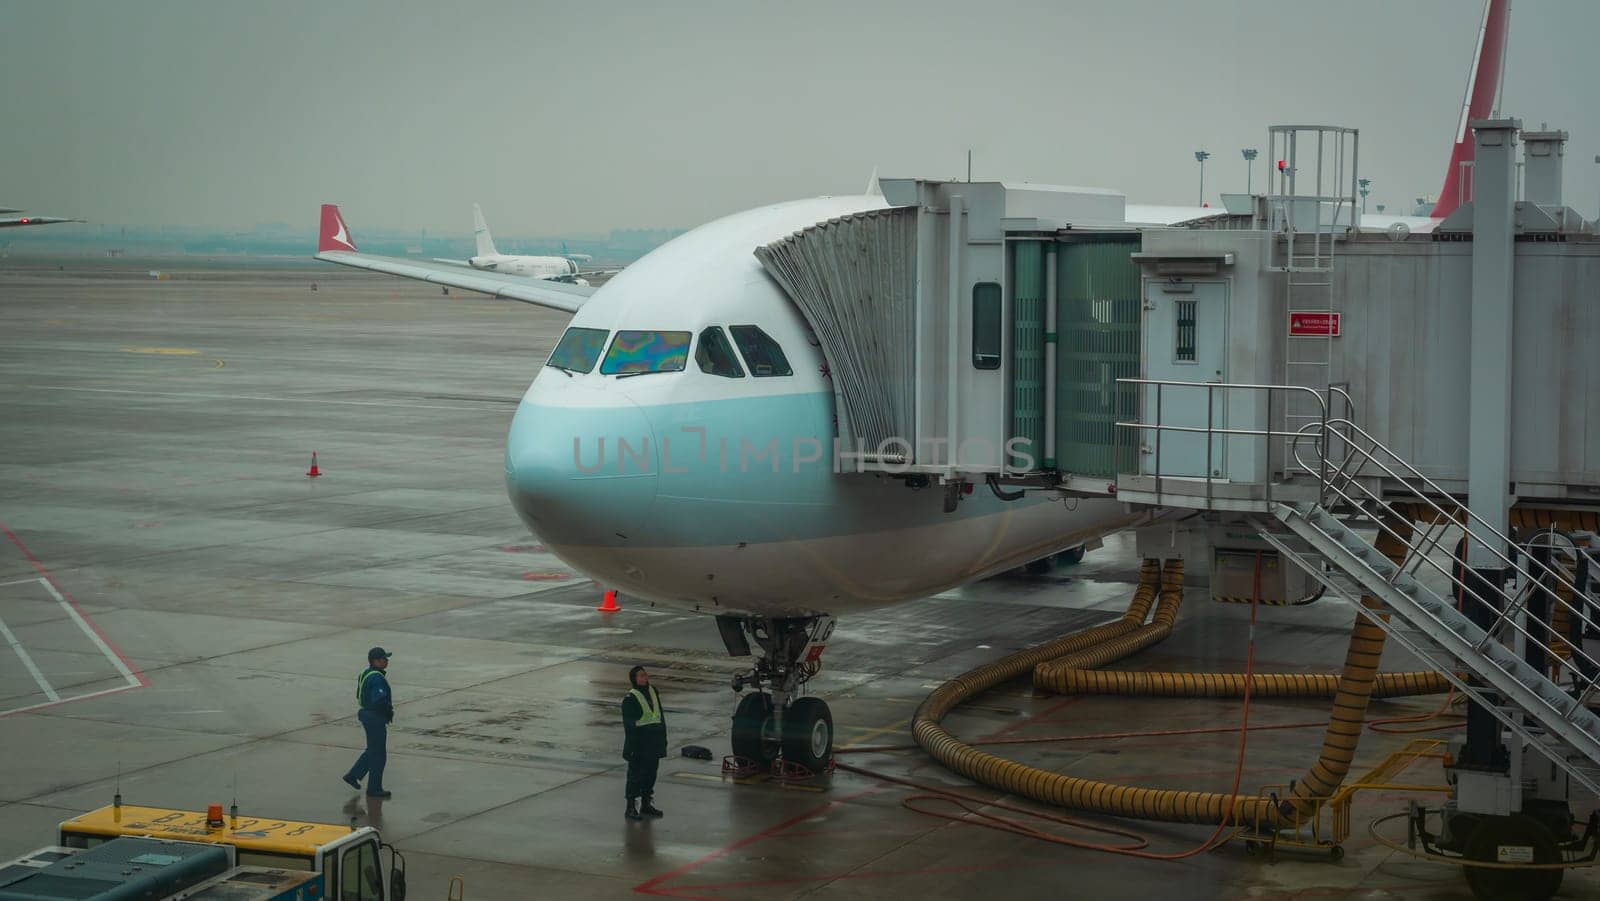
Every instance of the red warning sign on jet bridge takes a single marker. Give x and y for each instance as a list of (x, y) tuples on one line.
[(1313, 325)]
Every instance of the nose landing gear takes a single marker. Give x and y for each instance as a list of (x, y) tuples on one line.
[(772, 727)]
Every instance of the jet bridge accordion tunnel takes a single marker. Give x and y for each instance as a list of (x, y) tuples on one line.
[(974, 329)]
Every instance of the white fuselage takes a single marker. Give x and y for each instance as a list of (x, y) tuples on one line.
[(657, 484), (559, 268)]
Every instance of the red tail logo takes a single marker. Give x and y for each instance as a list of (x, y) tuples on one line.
[(334, 235), (1484, 83)]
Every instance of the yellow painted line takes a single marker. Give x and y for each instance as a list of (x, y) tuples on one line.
[(867, 735), (756, 779), (163, 351)]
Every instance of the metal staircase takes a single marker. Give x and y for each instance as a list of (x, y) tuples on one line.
[(1553, 720), (1354, 476), (1427, 624)]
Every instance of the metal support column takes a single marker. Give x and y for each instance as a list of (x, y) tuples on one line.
[(1489, 385), (1489, 398)]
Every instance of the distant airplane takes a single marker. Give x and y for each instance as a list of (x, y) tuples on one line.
[(15, 221), (488, 259)]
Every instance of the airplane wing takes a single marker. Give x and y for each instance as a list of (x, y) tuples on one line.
[(14, 221), (335, 245)]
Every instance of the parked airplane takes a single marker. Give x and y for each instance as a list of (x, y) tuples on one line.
[(17, 221), (676, 444), (558, 269)]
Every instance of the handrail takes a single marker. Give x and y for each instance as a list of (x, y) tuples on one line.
[(1324, 398), (1586, 677), (1338, 482)]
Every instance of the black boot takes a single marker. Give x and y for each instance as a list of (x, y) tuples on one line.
[(633, 810), (649, 809)]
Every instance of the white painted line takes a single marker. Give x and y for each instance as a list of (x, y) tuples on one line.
[(93, 694), (27, 661), (483, 405), (94, 636), (21, 581)]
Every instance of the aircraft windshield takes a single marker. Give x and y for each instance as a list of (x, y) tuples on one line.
[(578, 349), (638, 353)]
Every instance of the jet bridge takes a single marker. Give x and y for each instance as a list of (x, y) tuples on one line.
[(975, 330)]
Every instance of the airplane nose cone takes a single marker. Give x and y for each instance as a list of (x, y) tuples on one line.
[(582, 475)]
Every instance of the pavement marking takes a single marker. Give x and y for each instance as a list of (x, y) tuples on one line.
[(94, 635), (27, 661), (84, 697), (282, 400), (163, 351)]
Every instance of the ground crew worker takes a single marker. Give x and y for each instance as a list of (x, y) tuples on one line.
[(644, 742), (377, 712)]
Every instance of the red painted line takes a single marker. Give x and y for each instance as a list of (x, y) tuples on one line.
[(1037, 717), (869, 874), (652, 886), (144, 681)]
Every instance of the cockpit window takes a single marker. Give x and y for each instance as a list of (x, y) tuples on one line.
[(637, 353), (762, 354), (715, 355), (578, 349)]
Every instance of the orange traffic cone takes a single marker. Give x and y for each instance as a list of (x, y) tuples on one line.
[(313, 472), (609, 605)]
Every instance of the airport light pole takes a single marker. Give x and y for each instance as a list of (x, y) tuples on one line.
[(1249, 167), (1200, 157), (1366, 188)]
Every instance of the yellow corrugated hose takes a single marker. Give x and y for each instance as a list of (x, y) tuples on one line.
[(1065, 665)]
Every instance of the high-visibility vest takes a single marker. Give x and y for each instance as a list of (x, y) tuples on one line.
[(648, 715), (361, 683)]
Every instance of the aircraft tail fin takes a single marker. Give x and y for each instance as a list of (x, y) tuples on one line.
[(480, 230), (333, 235), (1483, 84)]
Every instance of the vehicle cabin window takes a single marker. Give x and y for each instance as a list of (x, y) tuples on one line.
[(638, 353), (762, 354), (359, 878), (715, 355), (578, 349), (986, 325)]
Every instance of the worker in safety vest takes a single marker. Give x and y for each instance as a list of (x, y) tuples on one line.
[(377, 711), (644, 742)]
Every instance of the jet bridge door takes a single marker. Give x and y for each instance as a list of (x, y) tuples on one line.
[(1185, 340)]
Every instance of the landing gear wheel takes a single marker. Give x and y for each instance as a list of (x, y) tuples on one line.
[(808, 734), (1494, 838), (1071, 557), (755, 729)]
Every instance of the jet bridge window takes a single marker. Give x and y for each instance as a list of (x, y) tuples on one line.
[(640, 352), (986, 325), (762, 354), (715, 355), (578, 349)]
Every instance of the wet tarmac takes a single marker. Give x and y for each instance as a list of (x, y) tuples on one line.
[(185, 612)]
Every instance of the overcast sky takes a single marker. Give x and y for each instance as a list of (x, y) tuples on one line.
[(578, 117)]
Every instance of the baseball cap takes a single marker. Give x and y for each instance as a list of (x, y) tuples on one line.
[(375, 653)]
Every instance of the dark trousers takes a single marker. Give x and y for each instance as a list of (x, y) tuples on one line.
[(642, 776), (376, 756)]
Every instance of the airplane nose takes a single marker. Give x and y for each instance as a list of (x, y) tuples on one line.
[(582, 475)]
